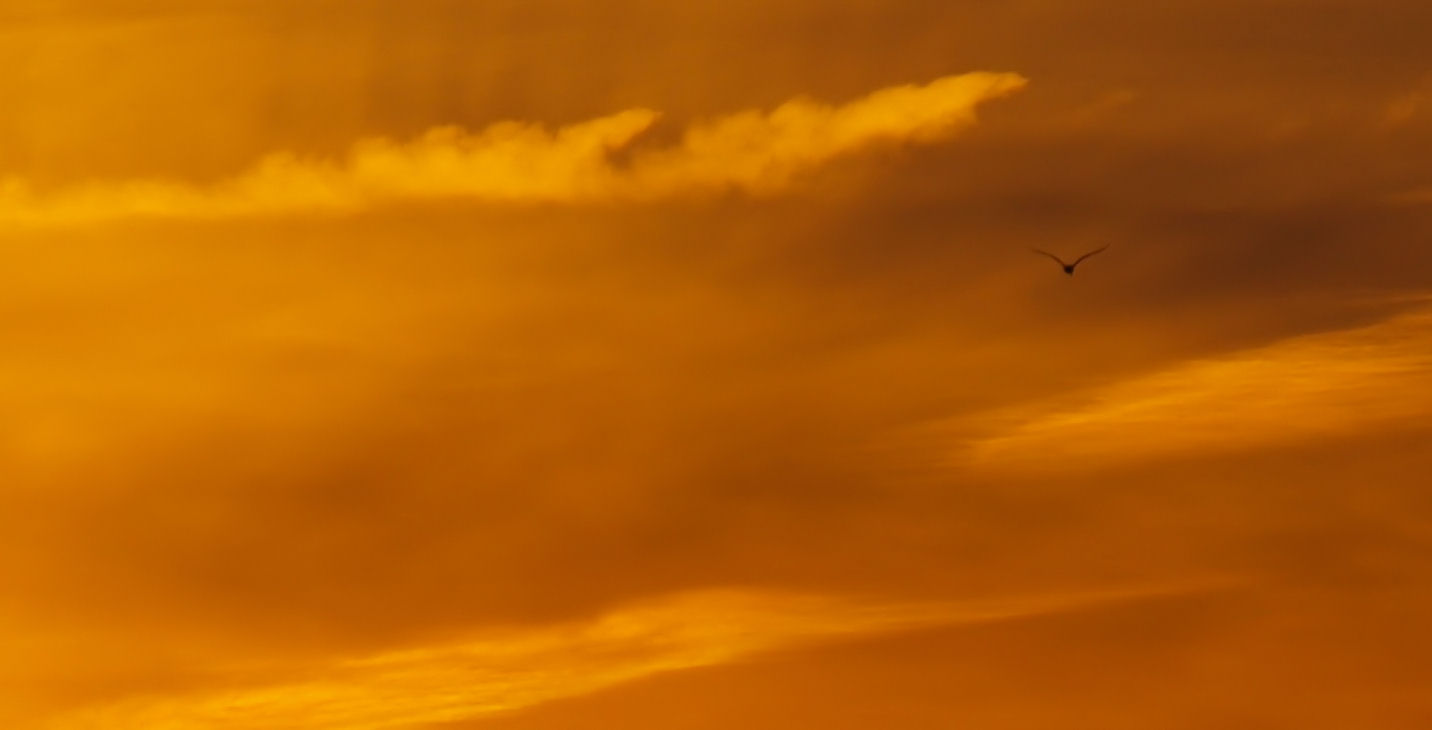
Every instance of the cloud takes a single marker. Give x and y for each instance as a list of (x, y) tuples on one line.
[(1415, 196), (753, 151), (763, 152), (1403, 109), (513, 670), (1296, 390)]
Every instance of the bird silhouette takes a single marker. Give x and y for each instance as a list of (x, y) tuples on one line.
[(1068, 267)]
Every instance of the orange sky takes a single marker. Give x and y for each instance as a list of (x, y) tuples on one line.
[(554, 365)]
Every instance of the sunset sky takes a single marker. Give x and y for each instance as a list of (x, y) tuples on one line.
[(626, 364)]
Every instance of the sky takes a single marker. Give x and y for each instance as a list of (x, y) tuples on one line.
[(573, 365)]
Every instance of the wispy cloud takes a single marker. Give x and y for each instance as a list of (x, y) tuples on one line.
[(500, 673), (1415, 196), (1406, 108), (754, 151), (1302, 388)]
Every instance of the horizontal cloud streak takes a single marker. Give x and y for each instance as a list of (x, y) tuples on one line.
[(497, 674), (757, 152), (1303, 388), (1416, 196)]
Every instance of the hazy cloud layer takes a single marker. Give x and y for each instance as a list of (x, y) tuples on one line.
[(258, 420)]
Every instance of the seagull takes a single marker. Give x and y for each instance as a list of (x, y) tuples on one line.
[(1069, 268)]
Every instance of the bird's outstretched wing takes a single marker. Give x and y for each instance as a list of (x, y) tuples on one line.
[(1050, 255), (1087, 255)]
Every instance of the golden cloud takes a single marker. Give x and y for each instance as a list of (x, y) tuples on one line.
[(1296, 390), (753, 151), (500, 673)]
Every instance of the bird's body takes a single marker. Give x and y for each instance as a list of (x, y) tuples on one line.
[(1069, 267)]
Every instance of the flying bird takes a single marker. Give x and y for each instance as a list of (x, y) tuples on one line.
[(1068, 267)]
